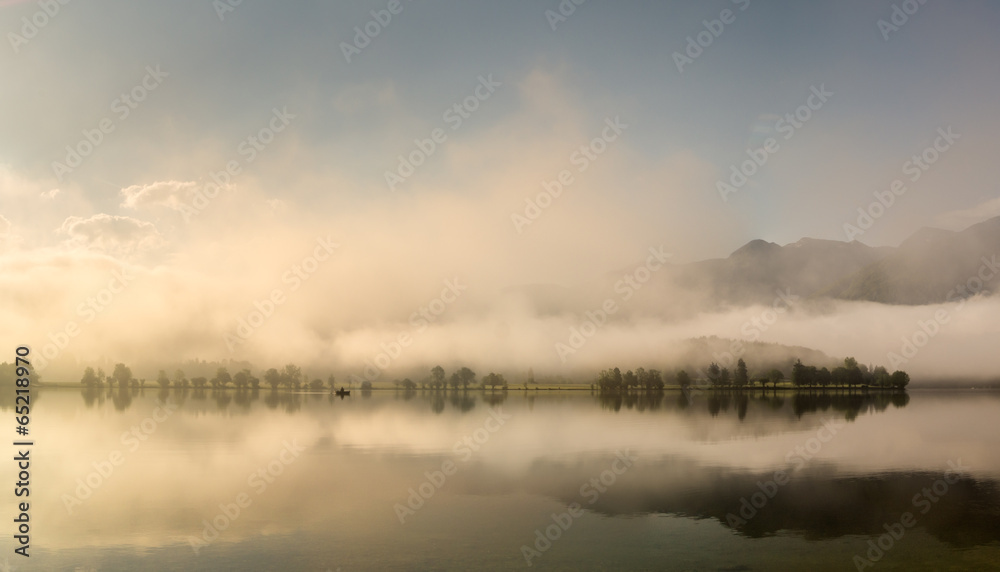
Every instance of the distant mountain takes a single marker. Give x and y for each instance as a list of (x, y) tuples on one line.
[(695, 353), (757, 270), (928, 268), (924, 269)]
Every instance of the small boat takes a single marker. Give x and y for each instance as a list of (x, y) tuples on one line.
[(342, 392)]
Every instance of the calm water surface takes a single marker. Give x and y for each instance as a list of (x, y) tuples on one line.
[(488, 482)]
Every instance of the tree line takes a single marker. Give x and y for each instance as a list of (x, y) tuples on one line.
[(850, 375), (463, 378), (288, 377)]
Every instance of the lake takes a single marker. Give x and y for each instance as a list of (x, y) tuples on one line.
[(560, 480)]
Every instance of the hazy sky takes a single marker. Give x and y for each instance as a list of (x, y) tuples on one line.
[(335, 119)]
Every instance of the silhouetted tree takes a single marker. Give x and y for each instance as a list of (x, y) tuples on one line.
[(799, 374), (467, 376), (824, 377), (609, 380), (713, 373), (493, 380), (122, 375), (222, 378), (900, 379), (776, 376), (272, 378), (654, 380), (291, 376), (742, 376), (241, 379), (630, 380), (89, 378), (162, 379), (437, 376), (683, 379)]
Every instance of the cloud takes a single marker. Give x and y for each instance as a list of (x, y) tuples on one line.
[(171, 194), (7, 238), (112, 234)]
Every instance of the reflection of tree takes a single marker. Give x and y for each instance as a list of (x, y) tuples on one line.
[(243, 399), (714, 404), (437, 402), (121, 398), (222, 399), (92, 396), (292, 402), (462, 401), (181, 393), (610, 401), (639, 401)]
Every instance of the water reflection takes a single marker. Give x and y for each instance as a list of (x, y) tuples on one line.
[(716, 403), (818, 503), (460, 400), (700, 456)]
